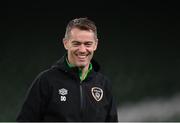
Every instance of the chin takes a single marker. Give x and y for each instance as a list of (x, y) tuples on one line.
[(81, 65)]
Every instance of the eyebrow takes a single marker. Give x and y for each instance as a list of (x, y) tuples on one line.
[(75, 41), (81, 42)]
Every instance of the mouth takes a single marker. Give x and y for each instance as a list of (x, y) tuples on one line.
[(82, 57)]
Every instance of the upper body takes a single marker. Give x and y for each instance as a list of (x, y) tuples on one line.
[(58, 94), (73, 89)]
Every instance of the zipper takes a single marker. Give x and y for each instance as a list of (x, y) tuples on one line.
[(81, 100)]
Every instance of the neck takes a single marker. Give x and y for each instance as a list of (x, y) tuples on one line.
[(84, 70)]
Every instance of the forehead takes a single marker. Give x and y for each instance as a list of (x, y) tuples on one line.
[(82, 35)]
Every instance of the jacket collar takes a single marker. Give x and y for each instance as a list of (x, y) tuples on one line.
[(62, 65)]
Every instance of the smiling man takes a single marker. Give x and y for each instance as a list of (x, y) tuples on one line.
[(73, 89), (80, 42)]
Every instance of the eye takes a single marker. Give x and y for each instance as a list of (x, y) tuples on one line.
[(76, 43), (88, 44)]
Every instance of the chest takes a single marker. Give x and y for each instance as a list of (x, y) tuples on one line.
[(72, 97)]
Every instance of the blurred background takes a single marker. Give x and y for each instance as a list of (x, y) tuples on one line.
[(138, 49)]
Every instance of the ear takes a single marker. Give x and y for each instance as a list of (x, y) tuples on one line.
[(96, 44), (65, 42)]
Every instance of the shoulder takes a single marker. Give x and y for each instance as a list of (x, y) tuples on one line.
[(46, 76), (104, 80), (48, 73), (102, 76)]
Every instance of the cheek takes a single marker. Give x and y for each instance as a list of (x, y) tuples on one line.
[(73, 49), (90, 49)]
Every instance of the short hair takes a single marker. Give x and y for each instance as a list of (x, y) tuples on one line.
[(82, 24)]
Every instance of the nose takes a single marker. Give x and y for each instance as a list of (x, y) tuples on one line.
[(82, 48)]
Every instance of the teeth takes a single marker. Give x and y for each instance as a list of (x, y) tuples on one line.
[(82, 56)]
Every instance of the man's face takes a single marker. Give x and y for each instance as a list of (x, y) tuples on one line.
[(80, 46)]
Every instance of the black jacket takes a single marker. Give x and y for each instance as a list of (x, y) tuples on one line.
[(58, 95)]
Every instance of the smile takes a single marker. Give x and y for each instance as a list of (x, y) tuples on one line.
[(81, 56)]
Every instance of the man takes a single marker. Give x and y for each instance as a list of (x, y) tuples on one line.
[(73, 89)]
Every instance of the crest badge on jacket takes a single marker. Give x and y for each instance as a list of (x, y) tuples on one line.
[(97, 93)]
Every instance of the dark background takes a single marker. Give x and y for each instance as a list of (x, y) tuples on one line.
[(138, 47)]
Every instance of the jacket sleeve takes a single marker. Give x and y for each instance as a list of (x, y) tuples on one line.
[(35, 101), (112, 110)]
